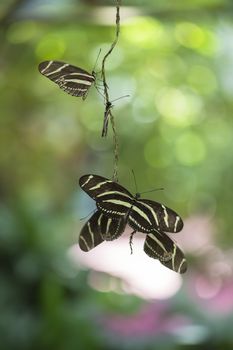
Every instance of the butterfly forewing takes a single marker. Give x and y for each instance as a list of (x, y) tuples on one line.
[(73, 80), (147, 215), (163, 218), (98, 186), (112, 199), (159, 246)]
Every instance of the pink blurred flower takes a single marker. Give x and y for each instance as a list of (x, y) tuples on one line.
[(151, 320)]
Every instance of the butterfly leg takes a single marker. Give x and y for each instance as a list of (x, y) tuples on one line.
[(131, 241), (99, 91)]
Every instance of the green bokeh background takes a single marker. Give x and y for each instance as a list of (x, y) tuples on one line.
[(174, 59)]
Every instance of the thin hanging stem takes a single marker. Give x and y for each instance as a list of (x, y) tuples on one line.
[(116, 148), (106, 95)]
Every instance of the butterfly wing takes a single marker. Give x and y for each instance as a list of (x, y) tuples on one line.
[(112, 199), (147, 214), (99, 228), (90, 235), (73, 80), (111, 228), (159, 246)]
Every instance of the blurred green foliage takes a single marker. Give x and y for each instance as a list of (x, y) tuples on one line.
[(175, 131)]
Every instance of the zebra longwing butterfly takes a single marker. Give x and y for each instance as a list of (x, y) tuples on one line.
[(108, 107), (73, 80), (157, 245), (142, 215)]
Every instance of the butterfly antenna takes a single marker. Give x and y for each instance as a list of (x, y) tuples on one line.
[(88, 215), (135, 182), (99, 91), (119, 98), (155, 189), (96, 60)]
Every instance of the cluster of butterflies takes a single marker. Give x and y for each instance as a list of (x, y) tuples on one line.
[(117, 207), (73, 80)]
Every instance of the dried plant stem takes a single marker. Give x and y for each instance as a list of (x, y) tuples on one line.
[(116, 148), (106, 94)]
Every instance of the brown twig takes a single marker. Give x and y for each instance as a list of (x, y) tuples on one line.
[(108, 112)]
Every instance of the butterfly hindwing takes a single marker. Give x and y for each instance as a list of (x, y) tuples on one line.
[(111, 228), (159, 246), (98, 229), (73, 80)]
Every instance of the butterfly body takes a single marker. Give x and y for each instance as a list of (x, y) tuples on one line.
[(108, 107)]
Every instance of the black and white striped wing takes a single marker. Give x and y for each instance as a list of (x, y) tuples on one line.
[(147, 215), (99, 228), (90, 235), (110, 228), (112, 199), (73, 80), (159, 246), (95, 185)]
